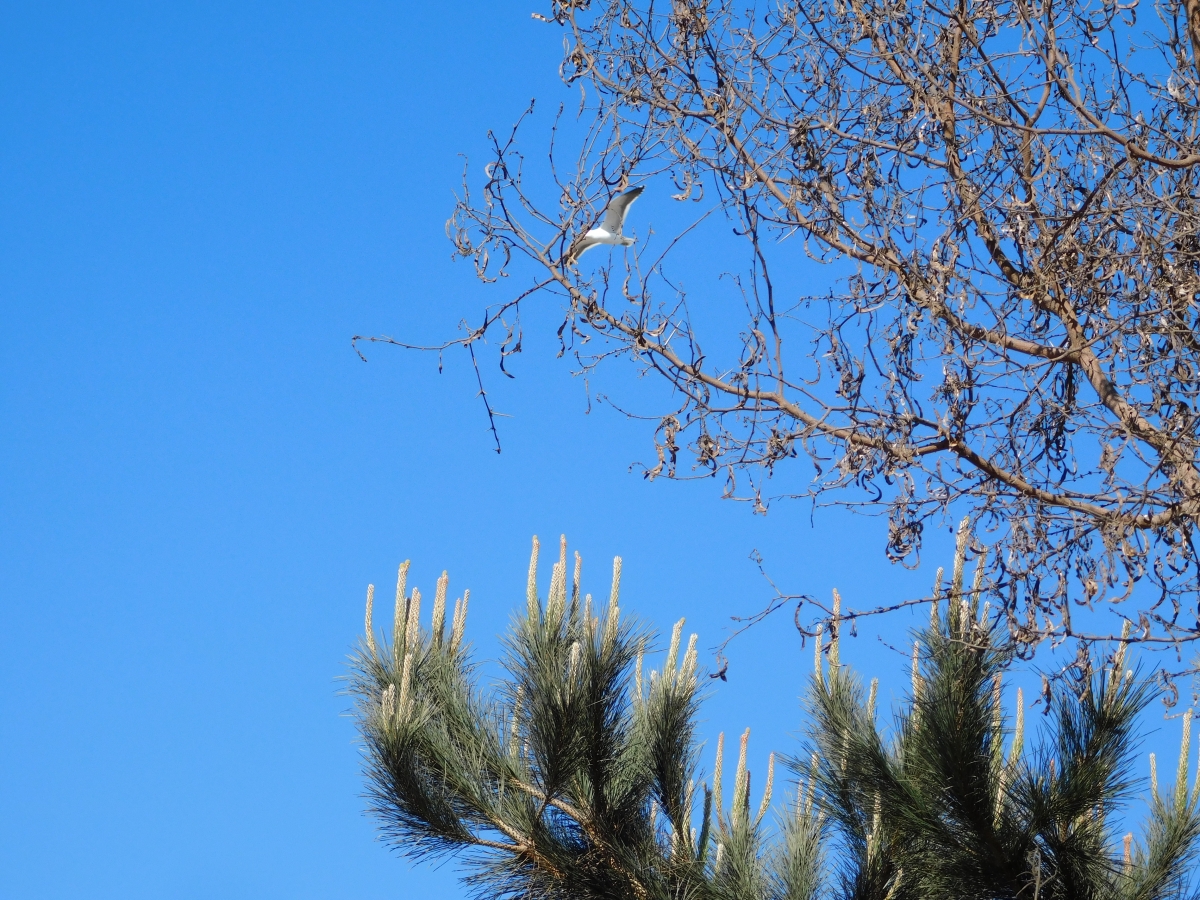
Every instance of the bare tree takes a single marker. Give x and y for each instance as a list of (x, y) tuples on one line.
[(1011, 189)]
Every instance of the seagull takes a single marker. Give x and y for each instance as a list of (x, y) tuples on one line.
[(609, 231)]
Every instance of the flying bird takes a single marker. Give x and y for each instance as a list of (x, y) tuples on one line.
[(609, 231)]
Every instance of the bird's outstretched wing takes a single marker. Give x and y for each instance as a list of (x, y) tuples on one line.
[(584, 243), (618, 207)]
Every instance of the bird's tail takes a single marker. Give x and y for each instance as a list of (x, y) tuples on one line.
[(628, 241)]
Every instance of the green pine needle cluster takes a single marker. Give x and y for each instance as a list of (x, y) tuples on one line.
[(578, 774)]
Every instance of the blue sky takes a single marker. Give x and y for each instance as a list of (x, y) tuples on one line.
[(201, 203)]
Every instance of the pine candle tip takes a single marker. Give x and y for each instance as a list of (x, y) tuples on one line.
[(977, 584), (402, 580), (818, 640), (413, 626), (1019, 730), (439, 610), (741, 786), (766, 800), (400, 611), (555, 600), (460, 621), (575, 579), (673, 650), (610, 626), (718, 766), (370, 628), (960, 555), (1181, 777), (688, 668), (405, 686), (531, 598), (389, 701), (835, 633)]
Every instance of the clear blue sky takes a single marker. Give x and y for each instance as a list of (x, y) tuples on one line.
[(199, 205)]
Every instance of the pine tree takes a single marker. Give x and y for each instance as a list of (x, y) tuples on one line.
[(578, 775), (940, 810)]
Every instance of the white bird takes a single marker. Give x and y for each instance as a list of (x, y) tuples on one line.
[(609, 231)]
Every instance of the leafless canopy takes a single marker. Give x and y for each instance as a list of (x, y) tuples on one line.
[(1011, 191)]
